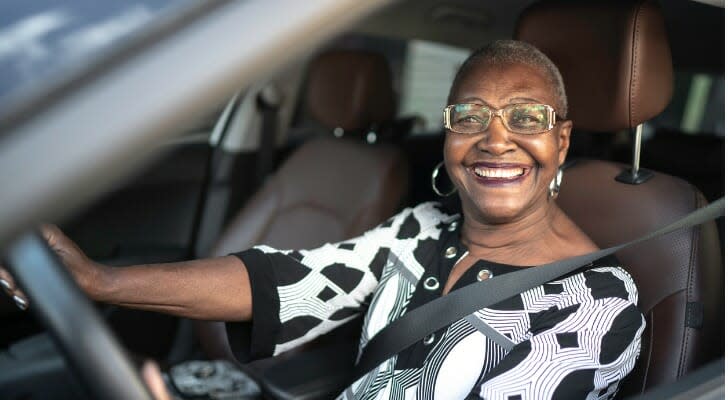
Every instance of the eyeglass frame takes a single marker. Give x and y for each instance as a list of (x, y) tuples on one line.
[(553, 118)]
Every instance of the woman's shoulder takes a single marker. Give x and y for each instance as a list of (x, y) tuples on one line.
[(608, 278), (422, 217), (605, 278), (603, 288), (435, 212), (601, 295)]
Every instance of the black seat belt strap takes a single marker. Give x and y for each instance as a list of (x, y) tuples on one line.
[(268, 102), (430, 317)]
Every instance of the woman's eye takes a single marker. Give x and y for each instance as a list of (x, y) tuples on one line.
[(469, 119), (526, 119)]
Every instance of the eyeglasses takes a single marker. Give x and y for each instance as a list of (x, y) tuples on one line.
[(526, 119)]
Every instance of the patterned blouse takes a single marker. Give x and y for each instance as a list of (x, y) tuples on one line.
[(574, 337)]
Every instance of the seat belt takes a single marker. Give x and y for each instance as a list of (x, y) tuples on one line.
[(268, 102), (428, 318)]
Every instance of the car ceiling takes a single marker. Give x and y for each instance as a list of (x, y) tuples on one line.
[(696, 30)]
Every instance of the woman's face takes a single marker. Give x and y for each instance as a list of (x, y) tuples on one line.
[(503, 176)]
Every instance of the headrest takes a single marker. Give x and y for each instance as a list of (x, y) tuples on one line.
[(350, 89), (614, 57)]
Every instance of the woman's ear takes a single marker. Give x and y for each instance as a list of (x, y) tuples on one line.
[(563, 135)]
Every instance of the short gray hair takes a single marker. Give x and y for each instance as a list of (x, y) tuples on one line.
[(501, 52)]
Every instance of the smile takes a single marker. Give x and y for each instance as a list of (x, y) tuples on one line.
[(499, 173)]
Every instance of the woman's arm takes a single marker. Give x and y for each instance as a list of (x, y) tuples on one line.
[(215, 289)]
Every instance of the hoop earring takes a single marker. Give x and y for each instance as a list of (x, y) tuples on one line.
[(555, 184), (435, 173)]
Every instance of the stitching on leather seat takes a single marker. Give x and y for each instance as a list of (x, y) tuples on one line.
[(687, 332), (649, 352), (635, 61)]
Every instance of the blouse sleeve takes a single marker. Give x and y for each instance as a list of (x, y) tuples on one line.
[(577, 352), (299, 295)]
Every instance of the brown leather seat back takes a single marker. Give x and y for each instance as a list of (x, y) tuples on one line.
[(329, 189), (617, 70), (679, 276)]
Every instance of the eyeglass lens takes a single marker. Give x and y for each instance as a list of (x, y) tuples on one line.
[(518, 118)]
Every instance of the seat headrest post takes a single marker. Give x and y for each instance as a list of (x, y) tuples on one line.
[(635, 175), (636, 149)]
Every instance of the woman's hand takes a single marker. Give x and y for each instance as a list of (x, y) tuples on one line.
[(11, 289), (215, 289), (89, 275)]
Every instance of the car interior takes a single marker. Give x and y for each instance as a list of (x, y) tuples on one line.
[(338, 141)]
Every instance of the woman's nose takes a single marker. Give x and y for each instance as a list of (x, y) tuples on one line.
[(496, 139)]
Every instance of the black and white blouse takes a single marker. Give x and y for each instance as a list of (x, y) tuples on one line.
[(575, 337)]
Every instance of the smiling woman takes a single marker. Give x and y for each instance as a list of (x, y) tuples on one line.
[(508, 130), (537, 151), (573, 337)]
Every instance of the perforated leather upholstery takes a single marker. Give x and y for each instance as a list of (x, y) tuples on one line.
[(677, 275), (617, 71), (329, 189)]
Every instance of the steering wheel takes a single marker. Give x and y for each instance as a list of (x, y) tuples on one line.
[(87, 343)]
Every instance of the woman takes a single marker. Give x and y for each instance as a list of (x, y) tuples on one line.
[(507, 135)]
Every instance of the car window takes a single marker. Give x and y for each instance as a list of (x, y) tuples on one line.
[(428, 70), (40, 39), (697, 106)]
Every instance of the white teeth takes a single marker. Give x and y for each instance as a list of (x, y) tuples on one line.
[(499, 172)]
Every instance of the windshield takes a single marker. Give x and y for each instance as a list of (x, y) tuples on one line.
[(43, 38)]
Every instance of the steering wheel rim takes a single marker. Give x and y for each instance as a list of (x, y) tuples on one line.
[(88, 345)]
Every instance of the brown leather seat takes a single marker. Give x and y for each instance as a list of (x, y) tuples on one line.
[(617, 69), (329, 189)]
